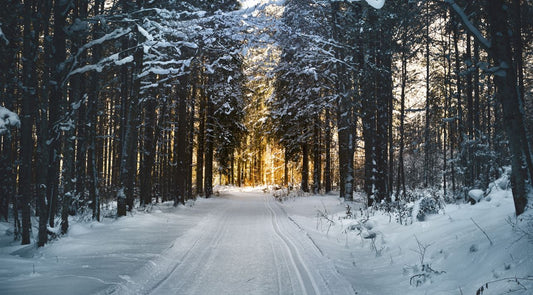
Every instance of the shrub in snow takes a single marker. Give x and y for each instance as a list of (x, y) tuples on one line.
[(426, 273), (523, 225), (323, 215), (404, 214), (427, 206)]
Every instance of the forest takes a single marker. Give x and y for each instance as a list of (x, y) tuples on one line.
[(139, 102)]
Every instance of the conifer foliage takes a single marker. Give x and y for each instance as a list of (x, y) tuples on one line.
[(136, 102)]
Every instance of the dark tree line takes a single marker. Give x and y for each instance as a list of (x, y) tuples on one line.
[(144, 101), (113, 102)]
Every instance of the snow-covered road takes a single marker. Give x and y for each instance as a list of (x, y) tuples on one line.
[(246, 245)]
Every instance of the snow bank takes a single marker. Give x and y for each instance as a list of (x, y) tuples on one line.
[(447, 253), (94, 256), (476, 195)]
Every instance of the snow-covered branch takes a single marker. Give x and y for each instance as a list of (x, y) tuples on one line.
[(3, 37), (468, 24), (377, 4), (8, 119)]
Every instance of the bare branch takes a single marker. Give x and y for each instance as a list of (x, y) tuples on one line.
[(486, 235)]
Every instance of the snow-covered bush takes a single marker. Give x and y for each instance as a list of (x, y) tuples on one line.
[(401, 211), (405, 213), (428, 206)]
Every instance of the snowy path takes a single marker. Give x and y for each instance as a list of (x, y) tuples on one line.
[(247, 245), (239, 243)]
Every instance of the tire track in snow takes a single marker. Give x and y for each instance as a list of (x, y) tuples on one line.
[(349, 288), (208, 257), (305, 278), (180, 262), (189, 258), (278, 273)]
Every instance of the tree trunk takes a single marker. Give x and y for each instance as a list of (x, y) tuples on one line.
[(427, 139), (344, 115), (181, 137), (190, 140), (43, 130), (317, 159), (327, 168), (26, 141), (384, 93), (128, 162), (208, 179), (305, 168), (518, 59), (508, 96), (150, 141), (469, 175), (286, 167), (92, 109), (400, 184), (9, 79), (201, 145)]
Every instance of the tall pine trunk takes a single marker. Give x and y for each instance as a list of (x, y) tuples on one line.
[(209, 138), (43, 130), (317, 159), (181, 153), (508, 96), (305, 168), (149, 145), (26, 141), (327, 165)]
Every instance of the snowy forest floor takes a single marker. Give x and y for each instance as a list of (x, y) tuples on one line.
[(244, 242)]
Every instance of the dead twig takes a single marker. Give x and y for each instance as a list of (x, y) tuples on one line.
[(486, 235)]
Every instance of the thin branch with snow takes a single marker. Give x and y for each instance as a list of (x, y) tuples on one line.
[(469, 25)]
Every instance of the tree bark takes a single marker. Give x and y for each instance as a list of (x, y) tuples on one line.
[(26, 141), (201, 144), (508, 96), (92, 109), (150, 141), (305, 168), (400, 184), (181, 137), (317, 159), (208, 179), (128, 162), (327, 167)]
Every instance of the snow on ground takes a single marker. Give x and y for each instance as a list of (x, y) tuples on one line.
[(387, 261), (96, 255), (244, 242)]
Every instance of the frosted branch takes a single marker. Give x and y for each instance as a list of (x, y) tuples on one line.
[(469, 25)]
